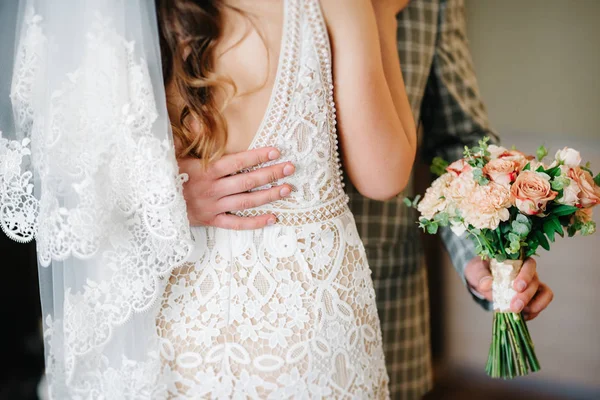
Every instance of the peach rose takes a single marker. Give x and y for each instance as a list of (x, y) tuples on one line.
[(487, 206), (589, 195), (531, 192), (434, 200), (458, 167), (520, 159), (501, 170)]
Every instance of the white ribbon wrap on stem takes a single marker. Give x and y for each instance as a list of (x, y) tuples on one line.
[(504, 274)]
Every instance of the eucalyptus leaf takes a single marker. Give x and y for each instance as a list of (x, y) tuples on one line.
[(432, 228)]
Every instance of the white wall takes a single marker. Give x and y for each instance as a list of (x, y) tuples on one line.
[(538, 65)]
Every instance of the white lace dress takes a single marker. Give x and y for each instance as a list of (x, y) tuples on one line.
[(287, 311)]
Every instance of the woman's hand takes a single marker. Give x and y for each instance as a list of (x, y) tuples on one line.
[(212, 193), (532, 295)]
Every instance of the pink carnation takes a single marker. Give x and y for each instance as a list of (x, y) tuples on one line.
[(435, 200), (487, 206)]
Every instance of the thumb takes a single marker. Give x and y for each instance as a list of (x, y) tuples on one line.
[(479, 277)]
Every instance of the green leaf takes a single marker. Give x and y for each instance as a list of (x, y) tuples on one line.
[(597, 180), (563, 210), (438, 166), (532, 247), (571, 230), (560, 182), (442, 219), (549, 230), (541, 152), (588, 170), (527, 167), (557, 226), (539, 235), (479, 177), (407, 202), (501, 257), (523, 219), (432, 228), (520, 229), (553, 172)]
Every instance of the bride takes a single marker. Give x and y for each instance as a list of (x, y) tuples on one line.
[(138, 306)]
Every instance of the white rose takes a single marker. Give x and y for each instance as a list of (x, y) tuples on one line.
[(570, 194), (568, 157), (496, 151)]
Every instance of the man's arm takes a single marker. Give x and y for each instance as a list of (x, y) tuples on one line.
[(454, 116)]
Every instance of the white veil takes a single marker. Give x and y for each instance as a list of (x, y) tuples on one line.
[(87, 169)]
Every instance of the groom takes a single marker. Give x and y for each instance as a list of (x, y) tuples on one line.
[(443, 92)]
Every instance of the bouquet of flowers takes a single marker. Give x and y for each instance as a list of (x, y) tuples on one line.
[(510, 204)]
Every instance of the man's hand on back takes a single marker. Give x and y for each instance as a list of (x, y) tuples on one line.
[(213, 192)]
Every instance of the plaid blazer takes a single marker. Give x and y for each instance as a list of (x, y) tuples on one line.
[(442, 89)]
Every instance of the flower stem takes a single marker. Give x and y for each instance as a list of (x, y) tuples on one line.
[(512, 352)]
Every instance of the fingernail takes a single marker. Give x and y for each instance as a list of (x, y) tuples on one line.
[(521, 285), (518, 306), (288, 170), (285, 191), (484, 280), (271, 221), (273, 155)]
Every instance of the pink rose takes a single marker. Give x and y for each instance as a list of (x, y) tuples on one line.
[(487, 206), (531, 192), (589, 195), (458, 167), (511, 155), (498, 152), (501, 170)]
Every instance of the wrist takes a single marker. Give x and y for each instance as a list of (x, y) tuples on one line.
[(386, 18)]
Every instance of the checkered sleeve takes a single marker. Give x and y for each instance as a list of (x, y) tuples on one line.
[(453, 114)]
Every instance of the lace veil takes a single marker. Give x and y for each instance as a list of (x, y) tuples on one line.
[(87, 169)]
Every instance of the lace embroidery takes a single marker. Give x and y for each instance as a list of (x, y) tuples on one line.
[(129, 219), (280, 313)]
